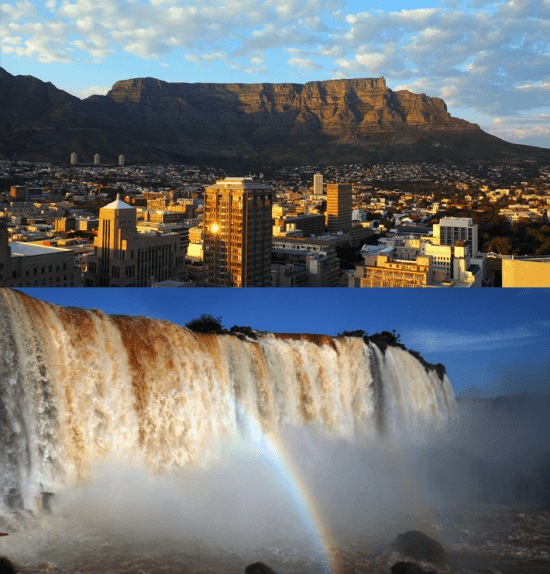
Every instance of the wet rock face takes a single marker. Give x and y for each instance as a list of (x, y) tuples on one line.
[(409, 568), (259, 568), (418, 545)]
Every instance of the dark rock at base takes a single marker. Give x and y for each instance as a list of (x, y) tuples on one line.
[(6, 566), (418, 545), (47, 498), (409, 568), (259, 568), (14, 500)]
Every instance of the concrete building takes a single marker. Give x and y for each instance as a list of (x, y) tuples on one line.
[(74, 158), (18, 192), (288, 275), (453, 229), (29, 265), (310, 224), (526, 272), (317, 256), (121, 160), (318, 184), (427, 266), (383, 271), (124, 257), (65, 224), (97, 159), (237, 234), (338, 215), (5, 255)]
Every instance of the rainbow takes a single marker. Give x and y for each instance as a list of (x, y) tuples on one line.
[(273, 451)]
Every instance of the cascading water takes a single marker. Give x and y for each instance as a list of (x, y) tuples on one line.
[(79, 387)]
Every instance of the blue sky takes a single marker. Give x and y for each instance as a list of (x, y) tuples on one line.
[(494, 341), (490, 61)]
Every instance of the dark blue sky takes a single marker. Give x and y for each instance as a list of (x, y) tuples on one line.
[(495, 340)]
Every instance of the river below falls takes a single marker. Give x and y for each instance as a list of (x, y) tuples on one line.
[(479, 539)]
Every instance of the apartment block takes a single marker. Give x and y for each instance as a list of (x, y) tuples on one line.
[(237, 234)]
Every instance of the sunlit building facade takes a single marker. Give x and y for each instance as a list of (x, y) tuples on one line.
[(237, 234)]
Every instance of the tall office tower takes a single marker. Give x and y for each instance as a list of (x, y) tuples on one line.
[(318, 184), (237, 234), (338, 206), (97, 159), (453, 229), (5, 255), (74, 159), (124, 257), (121, 160)]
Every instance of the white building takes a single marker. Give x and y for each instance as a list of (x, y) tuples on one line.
[(453, 229), (318, 184)]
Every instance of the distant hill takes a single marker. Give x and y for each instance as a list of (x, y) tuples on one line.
[(148, 120)]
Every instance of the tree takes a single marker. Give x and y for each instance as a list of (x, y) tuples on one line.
[(205, 324)]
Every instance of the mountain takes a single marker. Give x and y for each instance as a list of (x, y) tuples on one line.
[(332, 121)]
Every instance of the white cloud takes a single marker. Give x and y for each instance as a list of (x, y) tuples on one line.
[(93, 90), (304, 63), (447, 341), (521, 128), (491, 57)]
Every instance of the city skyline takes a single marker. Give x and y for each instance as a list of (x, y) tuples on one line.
[(491, 342), (488, 60)]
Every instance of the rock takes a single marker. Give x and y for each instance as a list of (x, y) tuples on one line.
[(418, 545), (409, 568), (7, 566), (333, 121), (47, 498), (259, 568), (14, 500)]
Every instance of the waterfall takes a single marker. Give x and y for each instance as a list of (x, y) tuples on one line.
[(78, 386)]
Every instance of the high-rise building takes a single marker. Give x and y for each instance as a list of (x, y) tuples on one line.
[(97, 159), (124, 257), (237, 234), (318, 184), (453, 229), (121, 160), (338, 207), (74, 159)]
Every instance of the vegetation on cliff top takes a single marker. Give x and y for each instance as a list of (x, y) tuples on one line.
[(213, 325)]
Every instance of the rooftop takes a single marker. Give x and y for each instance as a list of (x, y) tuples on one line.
[(118, 204), (27, 249)]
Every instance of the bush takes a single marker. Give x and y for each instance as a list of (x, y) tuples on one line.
[(248, 331), (206, 324)]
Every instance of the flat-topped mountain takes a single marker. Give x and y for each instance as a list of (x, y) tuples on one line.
[(318, 122)]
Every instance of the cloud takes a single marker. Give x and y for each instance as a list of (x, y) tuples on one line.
[(450, 341), (93, 90), (489, 57), (521, 128), (304, 63)]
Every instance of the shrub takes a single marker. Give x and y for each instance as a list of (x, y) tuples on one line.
[(206, 324)]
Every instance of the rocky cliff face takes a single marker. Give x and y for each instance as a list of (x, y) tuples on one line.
[(253, 116), (317, 122)]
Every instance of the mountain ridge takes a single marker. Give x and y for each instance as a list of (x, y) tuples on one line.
[(330, 121)]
